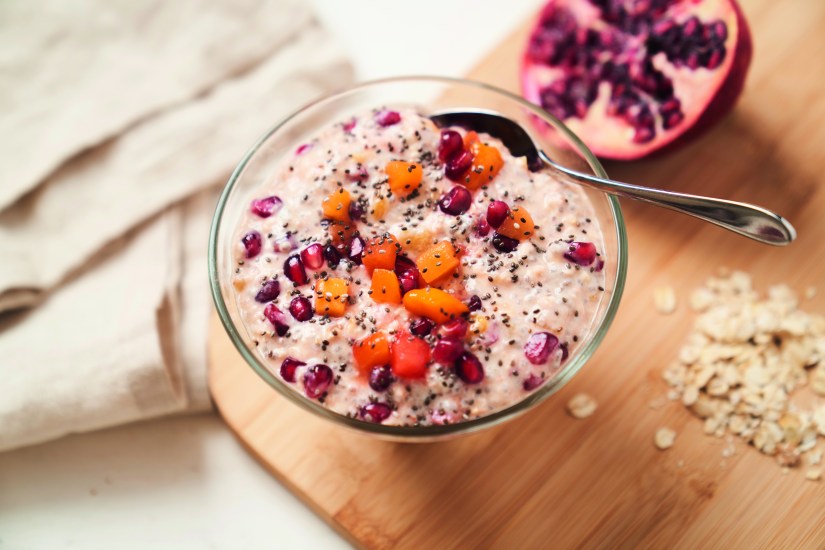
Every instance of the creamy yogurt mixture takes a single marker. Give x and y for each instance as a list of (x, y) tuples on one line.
[(404, 274)]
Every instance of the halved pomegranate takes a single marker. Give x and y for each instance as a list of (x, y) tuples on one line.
[(630, 77)]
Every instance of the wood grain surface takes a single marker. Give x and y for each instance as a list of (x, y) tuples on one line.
[(546, 480)]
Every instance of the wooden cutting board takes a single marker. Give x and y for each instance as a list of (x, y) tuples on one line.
[(548, 480)]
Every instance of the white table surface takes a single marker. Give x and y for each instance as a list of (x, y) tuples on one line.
[(185, 482)]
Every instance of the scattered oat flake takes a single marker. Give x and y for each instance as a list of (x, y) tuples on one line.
[(664, 298), (581, 405), (664, 438), (788, 456), (810, 292), (657, 403), (813, 474)]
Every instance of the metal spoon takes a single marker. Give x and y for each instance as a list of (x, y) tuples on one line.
[(749, 220)]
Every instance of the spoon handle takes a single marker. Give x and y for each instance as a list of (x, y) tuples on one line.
[(745, 219)]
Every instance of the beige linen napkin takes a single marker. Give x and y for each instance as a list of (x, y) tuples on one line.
[(109, 247), (76, 73), (103, 192)]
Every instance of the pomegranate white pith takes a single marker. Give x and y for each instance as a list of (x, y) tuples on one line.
[(632, 77)]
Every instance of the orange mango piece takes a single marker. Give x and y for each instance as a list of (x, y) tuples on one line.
[(471, 139), (385, 287), (487, 163), (437, 262), (518, 225), (434, 304), (380, 252), (372, 351), (404, 177), (336, 205), (331, 297), (341, 234)]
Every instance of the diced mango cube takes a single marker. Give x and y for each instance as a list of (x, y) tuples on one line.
[(518, 224), (336, 205), (380, 252), (372, 351), (404, 177), (487, 163), (331, 297), (437, 262), (385, 288), (434, 304)]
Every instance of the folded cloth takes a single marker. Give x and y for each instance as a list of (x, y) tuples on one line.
[(108, 245), (98, 195), (76, 73), (92, 355)]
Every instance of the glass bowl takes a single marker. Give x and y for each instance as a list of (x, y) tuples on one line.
[(429, 94)]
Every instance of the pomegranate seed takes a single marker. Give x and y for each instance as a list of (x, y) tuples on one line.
[(381, 377), (449, 145), (475, 303), (421, 327), (720, 30), (350, 126), (277, 318), (285, 243), (643, 134), (288, 368), (332, 256), (359, 174), (497, 212), (671, 120), (252, 244), (301, 308), (468, 368), (303, 148), (564, 352), (407, 273), (356, 213), (447, 350), (317, 379), (356, 249), (313, 256), (456, 167), (599, 265), (269, 291), (482, 227), (504, 244), (582, 254), (294, 270), (375, 412), (456, 201), (266, 207), (692, 27), (539, 347), (387, 118), (532, 382), (456, 328)]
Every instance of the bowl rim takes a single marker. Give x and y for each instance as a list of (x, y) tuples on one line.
[(431, 431)]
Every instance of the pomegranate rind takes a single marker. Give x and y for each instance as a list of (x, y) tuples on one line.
[(706, 95)]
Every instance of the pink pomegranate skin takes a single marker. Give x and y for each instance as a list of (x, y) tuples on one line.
[(716, 101)]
